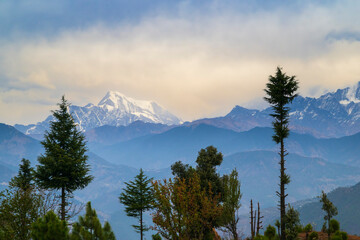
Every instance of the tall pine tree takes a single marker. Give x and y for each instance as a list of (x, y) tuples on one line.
[(280, 91), (63, 166), (138, 198)]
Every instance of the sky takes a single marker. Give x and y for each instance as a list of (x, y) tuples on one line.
[(196, 58)]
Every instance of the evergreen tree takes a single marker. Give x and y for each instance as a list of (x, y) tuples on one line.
[(108, 234), (20, 205), (329, 209), (292, 220), (89, 227), (270, 232), (64, 165), (231, 203), (24, 179), (49, 227), (280, 92), (138, 198)]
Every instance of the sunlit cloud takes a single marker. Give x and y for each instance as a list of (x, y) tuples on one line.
[(195, 65)]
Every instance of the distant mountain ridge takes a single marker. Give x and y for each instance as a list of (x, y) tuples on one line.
[(115, 109), (334, 114)]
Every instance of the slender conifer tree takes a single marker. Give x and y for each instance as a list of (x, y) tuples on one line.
[(280, 91), (138, 198)]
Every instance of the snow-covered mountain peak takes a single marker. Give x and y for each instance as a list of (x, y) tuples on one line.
[(117, 101), (351, 94)]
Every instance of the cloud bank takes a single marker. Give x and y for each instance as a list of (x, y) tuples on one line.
[(194, 63)]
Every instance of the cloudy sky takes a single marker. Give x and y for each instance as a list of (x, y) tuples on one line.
[(196, 58)]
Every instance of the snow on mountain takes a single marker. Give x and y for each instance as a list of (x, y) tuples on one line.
[(115, 109), (333, 114)]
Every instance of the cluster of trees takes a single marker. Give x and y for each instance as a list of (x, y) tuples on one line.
[(29, 207), (192, 204), (198, 200)]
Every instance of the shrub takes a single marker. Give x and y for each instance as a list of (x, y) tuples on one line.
[(334, 226), (314, 236), (270, 232)]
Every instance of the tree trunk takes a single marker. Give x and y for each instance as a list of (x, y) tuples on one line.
[(282, 190), (328, 227), (141, 225), (63, 203)]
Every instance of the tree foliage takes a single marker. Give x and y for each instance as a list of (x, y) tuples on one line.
[(329, 209), (89, 227), (280, 91), (49, 227), (231, 203), (183, 210), (270, 232), (292, 220), (20, 205), (63, 166), (138, 198)]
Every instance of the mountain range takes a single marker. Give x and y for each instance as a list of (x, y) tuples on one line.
[(124, 134), (115, 109), (334, 114)]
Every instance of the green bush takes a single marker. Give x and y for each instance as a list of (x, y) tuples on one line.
[(314, 236), (334, 226), (308, 228), (340, 235), (270, 232), (259, 237)]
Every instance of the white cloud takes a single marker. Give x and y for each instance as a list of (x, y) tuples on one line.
[(195, 65)]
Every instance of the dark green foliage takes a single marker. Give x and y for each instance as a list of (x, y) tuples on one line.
[(182, 171), (339, 235), (314, 236), (292, 225), (49, 227), (334, 226), (20, 205), (259, 237), (89, 227), (280, 91), (207, 161), (137, 198), (329, 209), (308, 228), (231, 203), (64, 165), (156, 237), (270, 232), (108, 233), (24, 179)]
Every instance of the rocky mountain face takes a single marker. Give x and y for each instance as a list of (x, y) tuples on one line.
[(115, 109), (334, 114)]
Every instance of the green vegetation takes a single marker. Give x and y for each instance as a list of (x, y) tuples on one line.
[(49, 227), (89, 227), (329, 209), (138, 198), (292, 226), (231, 203), (20, 205), (314, 236), (281, 91), (64, 165), (270, 232)]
